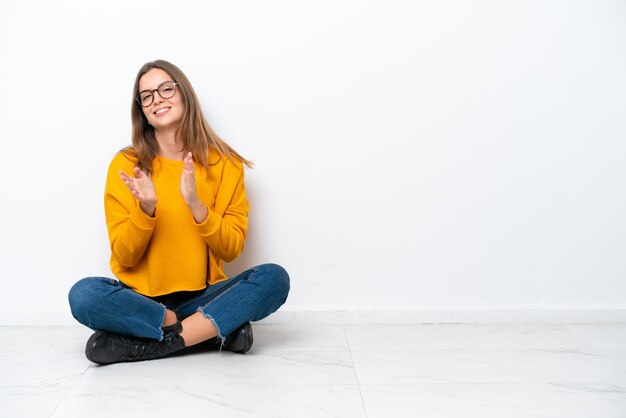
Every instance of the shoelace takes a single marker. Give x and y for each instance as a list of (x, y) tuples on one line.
[(147, 349)]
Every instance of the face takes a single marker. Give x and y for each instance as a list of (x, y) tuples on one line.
[(162, 113)]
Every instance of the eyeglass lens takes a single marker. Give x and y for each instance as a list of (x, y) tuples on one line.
[(165, 90)]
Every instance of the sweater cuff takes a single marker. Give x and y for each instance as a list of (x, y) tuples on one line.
[(141, 220), (210, 225)]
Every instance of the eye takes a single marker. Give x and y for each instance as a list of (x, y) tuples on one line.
[(146, 96)]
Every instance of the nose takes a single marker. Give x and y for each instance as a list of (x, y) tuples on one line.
[(156, 98)]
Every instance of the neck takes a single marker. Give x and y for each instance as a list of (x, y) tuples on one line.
[(169, 146)]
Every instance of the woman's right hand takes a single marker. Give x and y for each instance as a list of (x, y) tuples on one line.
[(142, 189)]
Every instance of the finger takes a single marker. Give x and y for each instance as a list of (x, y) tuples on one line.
[(138, 173), (125, 178), (123, 175), (192, 172), (190, 182), (188, 161), (130, 185), (130, 188), (186, 179)]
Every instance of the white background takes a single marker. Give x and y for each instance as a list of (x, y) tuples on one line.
[(409, 155)]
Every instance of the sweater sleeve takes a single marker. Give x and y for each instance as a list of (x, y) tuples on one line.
[(225, 228), (130, 229)]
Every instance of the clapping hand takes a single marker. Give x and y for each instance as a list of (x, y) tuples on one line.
[(188, 181), (142, 189), (188, 190)]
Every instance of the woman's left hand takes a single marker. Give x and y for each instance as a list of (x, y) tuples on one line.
[(188, 190)]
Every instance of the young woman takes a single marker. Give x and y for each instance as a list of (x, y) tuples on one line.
[(176, 209)]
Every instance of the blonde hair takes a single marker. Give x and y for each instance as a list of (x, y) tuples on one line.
[(194, 131)]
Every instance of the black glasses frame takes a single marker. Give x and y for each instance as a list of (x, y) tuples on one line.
[(138, 98)]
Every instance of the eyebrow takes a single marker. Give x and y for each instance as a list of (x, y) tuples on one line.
[(160, 84)]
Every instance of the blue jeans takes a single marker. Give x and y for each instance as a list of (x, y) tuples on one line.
[(106, 304)]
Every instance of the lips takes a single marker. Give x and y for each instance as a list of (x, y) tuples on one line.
[(161, 111)]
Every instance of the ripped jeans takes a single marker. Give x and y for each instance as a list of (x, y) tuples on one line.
[(106, 304)]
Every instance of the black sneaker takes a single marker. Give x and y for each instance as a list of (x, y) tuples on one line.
[(240, 340), (106, 347)]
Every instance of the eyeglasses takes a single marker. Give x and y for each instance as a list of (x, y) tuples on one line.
[(166, 90)]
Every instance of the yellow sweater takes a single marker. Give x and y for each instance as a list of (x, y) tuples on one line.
[(171, 252)]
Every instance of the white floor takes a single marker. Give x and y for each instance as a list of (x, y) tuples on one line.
[(330, 371)]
